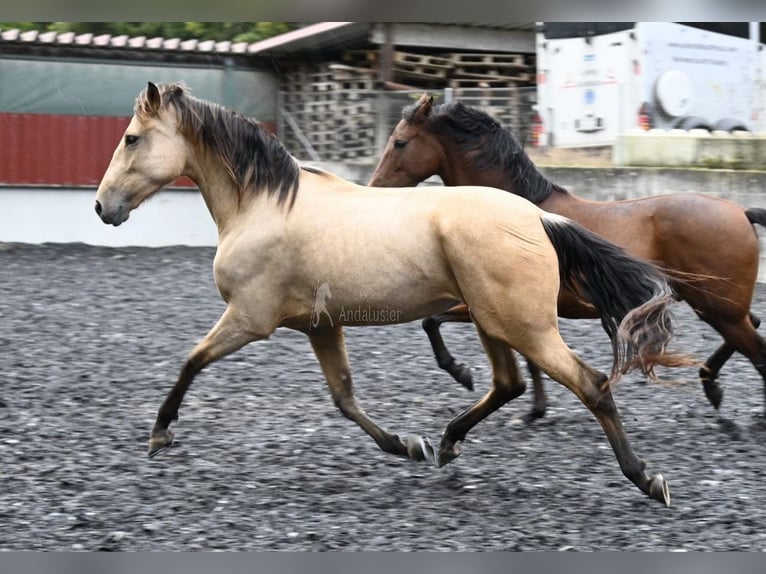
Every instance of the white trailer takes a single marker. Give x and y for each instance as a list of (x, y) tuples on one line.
[(597, 80)]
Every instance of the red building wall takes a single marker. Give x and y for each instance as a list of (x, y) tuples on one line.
[(64, 150)]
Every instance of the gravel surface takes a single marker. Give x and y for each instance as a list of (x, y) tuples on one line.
[(91, 340)]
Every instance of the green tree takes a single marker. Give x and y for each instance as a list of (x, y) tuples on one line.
[(219, 31)]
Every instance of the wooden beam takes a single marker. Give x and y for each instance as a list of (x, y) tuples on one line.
[(386, 53), (455, 37)]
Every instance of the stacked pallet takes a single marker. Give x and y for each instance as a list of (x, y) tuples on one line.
[(333, 109), (454, 69), (490, 70)]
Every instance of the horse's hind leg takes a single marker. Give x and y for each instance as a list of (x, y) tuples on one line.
[(445, 360), (564, 366), (709, 371), (744, 338), (227, 336), (507, 384), (330, 349), (539, 399), (592, 388)]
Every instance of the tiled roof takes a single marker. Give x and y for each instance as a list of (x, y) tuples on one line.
[(321, 35), (107, 40)]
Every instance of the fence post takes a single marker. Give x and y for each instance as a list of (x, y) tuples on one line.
[(381, 125), (280, 120)]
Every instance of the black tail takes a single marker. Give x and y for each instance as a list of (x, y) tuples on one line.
[(756, 215), (631, 295)]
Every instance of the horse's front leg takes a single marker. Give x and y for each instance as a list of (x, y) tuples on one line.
[(227, 336), (457, 314), (330, 348), (507, 384)]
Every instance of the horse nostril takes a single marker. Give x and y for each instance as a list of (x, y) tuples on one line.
[(98, 208)]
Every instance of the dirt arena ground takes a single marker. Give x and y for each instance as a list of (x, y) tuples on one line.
[(91, 340)]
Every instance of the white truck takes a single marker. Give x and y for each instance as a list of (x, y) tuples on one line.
[(599, 79)]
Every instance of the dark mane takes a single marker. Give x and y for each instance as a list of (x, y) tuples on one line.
[(489, 146), (256, 161)]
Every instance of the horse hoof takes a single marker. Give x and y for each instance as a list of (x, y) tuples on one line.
[(533, 415), (462, 375), (448, 454), (420, 449), (713, 392), (159, 441), (658, 489)]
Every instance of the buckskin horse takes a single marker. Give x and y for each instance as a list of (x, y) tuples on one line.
[(283, 229), (707, 243)]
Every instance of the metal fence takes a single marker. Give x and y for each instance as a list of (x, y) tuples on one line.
[(352, 126)]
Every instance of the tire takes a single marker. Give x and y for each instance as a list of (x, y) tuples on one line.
[(691, 123), (730, 125)]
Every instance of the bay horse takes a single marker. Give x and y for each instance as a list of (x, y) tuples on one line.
[(285, 229), (707, 243)]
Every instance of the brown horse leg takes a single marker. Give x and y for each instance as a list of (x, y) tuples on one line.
[(539, 400), (709, 371), (592, 388), (744, 338), (458, 313), (507, 384), (329, 347), (227, 336), (551, 354)]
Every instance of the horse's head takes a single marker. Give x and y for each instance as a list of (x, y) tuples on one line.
[(150, 155), (413, 153)]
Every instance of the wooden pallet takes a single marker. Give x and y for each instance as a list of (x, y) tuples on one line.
[(522, 73), (421, 72), (357, 85), (421, 60), (344, 72), (486, 60), (487, 83), (346, 121), (355, 108), (363, 135), (364, 58)]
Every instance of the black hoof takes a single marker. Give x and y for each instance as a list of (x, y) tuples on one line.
[(713, 392), (533, 415), (448, 453), (462, 375), (159, 441)]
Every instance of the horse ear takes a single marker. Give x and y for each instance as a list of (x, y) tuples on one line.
[(423, 107), (153, 97)]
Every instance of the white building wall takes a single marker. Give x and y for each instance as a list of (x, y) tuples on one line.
[(32, 215)]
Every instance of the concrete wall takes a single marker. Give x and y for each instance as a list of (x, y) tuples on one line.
[(33, 215), (747, 188), (693, 148)]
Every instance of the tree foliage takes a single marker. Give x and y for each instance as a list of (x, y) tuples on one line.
[(219, 31)]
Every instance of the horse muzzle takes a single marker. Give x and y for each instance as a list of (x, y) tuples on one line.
[(114, 216)]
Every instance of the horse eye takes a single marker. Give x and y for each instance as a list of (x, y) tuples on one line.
[(130, 140), (399, 144)]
